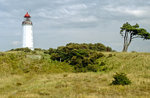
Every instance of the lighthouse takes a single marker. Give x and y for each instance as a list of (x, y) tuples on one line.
[(27, 32)]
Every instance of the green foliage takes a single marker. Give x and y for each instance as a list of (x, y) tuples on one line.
[(93, 68), (102, 64), (79, 55), (79, 58), (22, 49), (95, 47), (120, 79), (55, 56), (38, 49), (108, 49), (135, 31), (50, 51)]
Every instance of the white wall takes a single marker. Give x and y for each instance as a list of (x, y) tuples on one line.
[(27, 36)]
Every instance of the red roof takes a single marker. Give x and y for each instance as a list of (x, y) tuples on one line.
[(27, 15)]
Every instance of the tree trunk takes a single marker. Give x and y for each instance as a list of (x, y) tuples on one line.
[(125, 48), (127, 41)]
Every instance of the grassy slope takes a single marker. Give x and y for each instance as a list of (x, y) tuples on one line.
[(81, 85)]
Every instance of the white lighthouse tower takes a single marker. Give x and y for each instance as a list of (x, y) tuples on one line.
[(27, 32)]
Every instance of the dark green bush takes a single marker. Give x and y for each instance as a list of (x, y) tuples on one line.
[(50, 51), (79, 58), (79, 68), (82, 56), (55, 56), (95, 47), (110, 55), (102, 64), (120, 79), (108, 49), (38, 49), (93, 68), (22, 49)]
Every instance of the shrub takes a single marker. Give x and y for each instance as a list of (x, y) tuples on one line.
[(79, 68), (79, 55), (55, 56), (38, 49), (90, 46), (93, 68), (108, 49), (50, 51), (120, 79), (22, 49), (110, 55)]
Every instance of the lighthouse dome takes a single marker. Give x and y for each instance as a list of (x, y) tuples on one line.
[(27, 15)]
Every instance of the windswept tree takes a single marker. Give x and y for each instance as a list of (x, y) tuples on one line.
[(130, 32)]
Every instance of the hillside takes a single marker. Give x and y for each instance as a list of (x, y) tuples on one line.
[(36, 75)]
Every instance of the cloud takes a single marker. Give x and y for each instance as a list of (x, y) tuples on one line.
[(81, 19), (89, 19), (77, 6), (62, 1), (125, 10), (64, 11), (135, 12)]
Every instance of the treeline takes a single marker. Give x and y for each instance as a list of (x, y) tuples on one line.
[(90, 46), (96, 46)]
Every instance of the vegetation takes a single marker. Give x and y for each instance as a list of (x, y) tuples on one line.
[(81, 59), (120, 79), (95, 47), (130, 32), (22, 62), (41, 73), (22, 49)]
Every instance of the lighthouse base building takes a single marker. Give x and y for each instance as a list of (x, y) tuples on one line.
[(27, 32)]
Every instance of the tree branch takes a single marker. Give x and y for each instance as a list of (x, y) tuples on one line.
[(131, 37), (136, 37)]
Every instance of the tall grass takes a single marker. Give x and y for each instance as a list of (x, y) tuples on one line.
[(20, 62), (32, 78)]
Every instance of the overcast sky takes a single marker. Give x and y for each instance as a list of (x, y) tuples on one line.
[(58, 22)]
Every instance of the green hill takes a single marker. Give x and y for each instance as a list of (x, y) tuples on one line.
[(34, 74)]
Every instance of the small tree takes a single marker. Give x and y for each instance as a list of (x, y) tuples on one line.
[(129, 32)]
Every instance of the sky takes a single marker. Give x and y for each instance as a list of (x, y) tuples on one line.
[(58, 22)]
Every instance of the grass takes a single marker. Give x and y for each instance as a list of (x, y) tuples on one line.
[(20, 62), (59, 81)]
